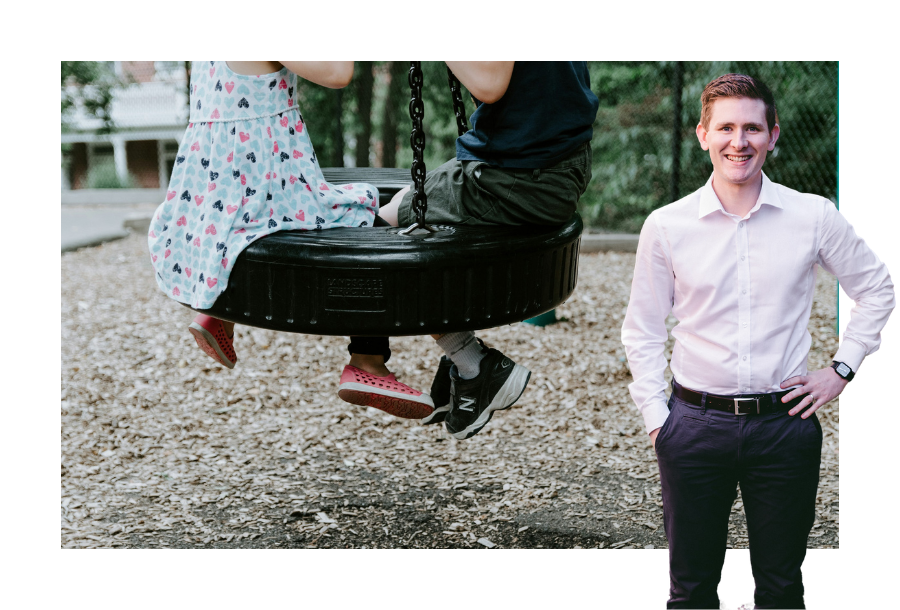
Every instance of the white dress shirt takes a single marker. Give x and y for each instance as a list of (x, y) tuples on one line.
[(742, 290)]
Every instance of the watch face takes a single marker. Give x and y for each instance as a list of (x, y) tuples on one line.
[(843, 370)]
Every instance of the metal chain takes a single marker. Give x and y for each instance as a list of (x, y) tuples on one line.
[(417, 141), (458, 107)]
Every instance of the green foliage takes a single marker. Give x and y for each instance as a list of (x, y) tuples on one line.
[(633, 134), (102, 175), (91, 83), (318, 105)]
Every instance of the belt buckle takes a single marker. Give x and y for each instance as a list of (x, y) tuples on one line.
[(737, 407)]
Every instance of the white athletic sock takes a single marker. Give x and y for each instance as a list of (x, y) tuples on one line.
[(464, 351)]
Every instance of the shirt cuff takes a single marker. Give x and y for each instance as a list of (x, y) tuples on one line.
[(655, 416), (851, 353)]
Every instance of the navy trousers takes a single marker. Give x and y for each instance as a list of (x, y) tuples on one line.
[(703, 455)]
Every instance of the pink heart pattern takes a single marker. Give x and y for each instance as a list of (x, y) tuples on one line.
[(242, 183)]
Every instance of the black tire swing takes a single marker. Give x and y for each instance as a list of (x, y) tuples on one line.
[(388, 281)]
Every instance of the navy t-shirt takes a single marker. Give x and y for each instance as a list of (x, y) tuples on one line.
[(548, 110)]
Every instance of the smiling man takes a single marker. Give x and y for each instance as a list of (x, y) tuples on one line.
[(735, 263)]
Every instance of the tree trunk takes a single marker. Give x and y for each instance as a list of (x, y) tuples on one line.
[(365, 82), (187, 76), (338, 158), (677, 87), (390, 119)]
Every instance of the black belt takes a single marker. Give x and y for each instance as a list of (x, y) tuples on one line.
[(742, 404)]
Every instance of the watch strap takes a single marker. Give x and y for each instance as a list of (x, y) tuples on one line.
[(849, 376)]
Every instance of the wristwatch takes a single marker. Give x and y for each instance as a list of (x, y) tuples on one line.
[(843, 370)]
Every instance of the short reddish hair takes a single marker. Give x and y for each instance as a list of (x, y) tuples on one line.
[(737, 85)]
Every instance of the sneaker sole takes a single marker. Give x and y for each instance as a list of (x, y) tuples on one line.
[(398, 405), (511, 391), (208, 344), (439, 414)]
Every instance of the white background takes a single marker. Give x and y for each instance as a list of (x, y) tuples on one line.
[(860, 574)]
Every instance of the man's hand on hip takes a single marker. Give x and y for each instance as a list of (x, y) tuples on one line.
[(653, 435), (821, 386)]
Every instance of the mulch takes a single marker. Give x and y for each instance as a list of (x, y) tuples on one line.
[(161, 447)]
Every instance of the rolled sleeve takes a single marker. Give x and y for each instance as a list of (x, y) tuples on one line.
[(644, 331)]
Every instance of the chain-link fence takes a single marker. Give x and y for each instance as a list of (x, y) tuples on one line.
[(646, 153)]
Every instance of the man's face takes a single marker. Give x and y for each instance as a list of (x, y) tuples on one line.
[(738, 139)]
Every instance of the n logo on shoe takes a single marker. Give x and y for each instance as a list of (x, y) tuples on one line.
[(466, 403)]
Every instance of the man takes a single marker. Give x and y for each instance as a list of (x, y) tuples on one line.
[(525, 160), (735, 262)]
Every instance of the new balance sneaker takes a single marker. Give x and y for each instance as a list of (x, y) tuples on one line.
[(498, 385), (440, 393), (386, 393), (210, 335)]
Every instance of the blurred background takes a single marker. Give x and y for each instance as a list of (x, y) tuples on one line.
[(122, 122)]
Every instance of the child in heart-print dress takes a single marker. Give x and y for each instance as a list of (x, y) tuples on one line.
[(245, 169)]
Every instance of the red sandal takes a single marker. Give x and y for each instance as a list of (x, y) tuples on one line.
[(211, 337), (386, 393)]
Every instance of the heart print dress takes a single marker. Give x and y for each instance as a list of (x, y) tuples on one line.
[(245, 169)]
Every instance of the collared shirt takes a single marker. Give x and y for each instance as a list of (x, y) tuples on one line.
[(742, 290)]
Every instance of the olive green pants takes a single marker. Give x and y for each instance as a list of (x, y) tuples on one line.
[(475, 193)]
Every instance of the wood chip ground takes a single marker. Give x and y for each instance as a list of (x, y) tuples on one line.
[(161, 447)]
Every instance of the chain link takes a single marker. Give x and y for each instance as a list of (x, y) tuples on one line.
[(417, 138), (417, 141), (458, 107)]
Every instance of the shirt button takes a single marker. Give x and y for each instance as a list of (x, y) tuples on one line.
[(743, 292), (745, 357), (745, 325), (742, 258), (741, 225)]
